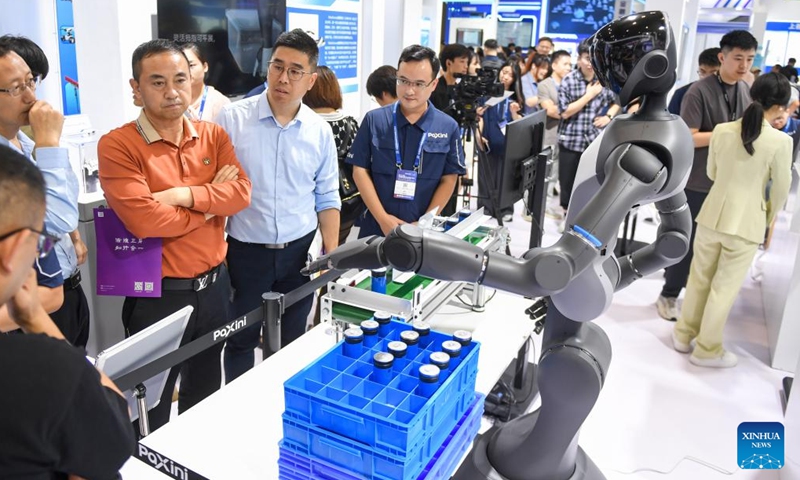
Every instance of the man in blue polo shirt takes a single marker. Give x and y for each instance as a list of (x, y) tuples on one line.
[(407, 155)]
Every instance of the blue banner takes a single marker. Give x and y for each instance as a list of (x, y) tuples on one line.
[(338, 33), (70, 95)]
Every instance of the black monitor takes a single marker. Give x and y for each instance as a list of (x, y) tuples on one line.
[(236, 36), (524, 140)]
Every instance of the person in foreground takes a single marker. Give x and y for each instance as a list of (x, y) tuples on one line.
[(59, 416), (744, 156)]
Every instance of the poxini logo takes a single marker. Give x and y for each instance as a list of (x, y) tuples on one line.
[(760, 445)]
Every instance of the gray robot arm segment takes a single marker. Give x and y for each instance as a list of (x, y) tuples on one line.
[(672, 242), (362, 253), (632, 173)]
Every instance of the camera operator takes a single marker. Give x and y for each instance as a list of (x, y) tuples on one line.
[(454, 60), (495, 119)]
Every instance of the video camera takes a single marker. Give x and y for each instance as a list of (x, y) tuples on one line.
[(469, 93)]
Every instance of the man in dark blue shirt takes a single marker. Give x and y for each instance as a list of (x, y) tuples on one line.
[(407, 155), (491, 58), (708, 64)]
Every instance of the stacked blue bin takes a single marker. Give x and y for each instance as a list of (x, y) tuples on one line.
[(340, 422)]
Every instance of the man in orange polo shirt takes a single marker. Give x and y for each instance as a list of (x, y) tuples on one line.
[(168, 177)]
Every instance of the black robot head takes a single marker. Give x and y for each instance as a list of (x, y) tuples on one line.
[(635, 55)]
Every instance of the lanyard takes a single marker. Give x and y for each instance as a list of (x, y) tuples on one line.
[(202, 103), (398, 159), (731, 109)]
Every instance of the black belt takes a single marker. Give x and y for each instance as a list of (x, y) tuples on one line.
[(198, 283), (73, 282), (273, 246)]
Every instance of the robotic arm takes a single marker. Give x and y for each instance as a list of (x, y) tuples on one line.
[(633, 174)]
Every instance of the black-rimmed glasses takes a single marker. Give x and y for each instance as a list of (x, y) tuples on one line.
[(44, 244)]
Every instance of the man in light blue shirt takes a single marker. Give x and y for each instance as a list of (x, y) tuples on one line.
[(19, 107), (288, 151)]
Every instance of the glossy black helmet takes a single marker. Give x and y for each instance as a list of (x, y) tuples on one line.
[(635, 55)]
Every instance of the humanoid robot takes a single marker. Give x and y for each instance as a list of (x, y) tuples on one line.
[(639, 159)]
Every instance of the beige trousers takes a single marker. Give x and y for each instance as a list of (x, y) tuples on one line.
[(719, 267)]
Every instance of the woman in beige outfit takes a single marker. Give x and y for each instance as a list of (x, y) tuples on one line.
[(743, 157)]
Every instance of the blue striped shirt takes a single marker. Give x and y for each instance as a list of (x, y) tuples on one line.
[(61, 190)]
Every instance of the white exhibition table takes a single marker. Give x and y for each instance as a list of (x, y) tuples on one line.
[(234, 433)]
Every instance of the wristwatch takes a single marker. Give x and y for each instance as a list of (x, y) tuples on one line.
[(610, 116)]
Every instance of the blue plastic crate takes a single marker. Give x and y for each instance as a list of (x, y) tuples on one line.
[(366, 459), (339, 394), (295, 465), (444, 462)]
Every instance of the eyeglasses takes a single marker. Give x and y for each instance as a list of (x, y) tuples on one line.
[(404, 82), (294, 74), (18, 90), (44, 243)]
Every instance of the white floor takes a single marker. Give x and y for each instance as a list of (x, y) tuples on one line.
[(658, 416)]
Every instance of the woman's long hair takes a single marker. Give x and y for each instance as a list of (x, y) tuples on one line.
[(538, 61), (516, 85), (767, 91)]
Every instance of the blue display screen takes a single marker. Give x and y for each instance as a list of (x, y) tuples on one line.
[(581, 17)]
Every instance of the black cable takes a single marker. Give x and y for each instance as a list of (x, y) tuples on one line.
[(530, 386)]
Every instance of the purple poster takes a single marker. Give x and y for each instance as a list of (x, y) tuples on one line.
[(126, 265)]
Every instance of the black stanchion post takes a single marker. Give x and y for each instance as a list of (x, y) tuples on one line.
[(273, 311), (537, 198)]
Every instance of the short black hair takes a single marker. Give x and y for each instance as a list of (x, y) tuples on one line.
[(452, 52), (491, 44), (545, 39), (792, 60), (741, 39), (301, 41), (558, 54), (709, 57), (418, 53), (29, 51), (382, 80), (21, 189), (153, 47)]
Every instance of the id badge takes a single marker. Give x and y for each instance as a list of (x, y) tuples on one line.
[(405, 185)]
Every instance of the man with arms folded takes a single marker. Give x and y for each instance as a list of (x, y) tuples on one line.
[(166, 176)]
